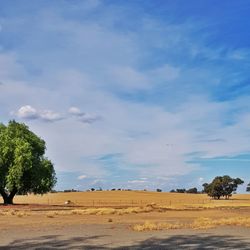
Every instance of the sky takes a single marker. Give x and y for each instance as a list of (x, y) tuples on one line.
[(138, 94)]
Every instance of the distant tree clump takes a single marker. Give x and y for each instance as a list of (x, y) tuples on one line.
[(180, 190), (183, 190), (192, 191), (248, 187), (70, 190), (222, 186), (158, 190), (23, 166)]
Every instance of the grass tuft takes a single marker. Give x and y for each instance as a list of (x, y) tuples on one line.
[(200, 223)]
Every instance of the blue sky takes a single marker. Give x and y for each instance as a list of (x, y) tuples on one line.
[(131, 94)]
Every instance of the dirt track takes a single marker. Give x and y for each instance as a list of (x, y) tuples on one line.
[(120, 237)]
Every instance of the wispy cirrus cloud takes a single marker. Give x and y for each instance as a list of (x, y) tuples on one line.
[(137, 181), (155, 91), (81, 177), (84, 117)]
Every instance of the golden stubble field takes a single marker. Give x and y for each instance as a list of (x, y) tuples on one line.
[(139, 210), (130, 198)]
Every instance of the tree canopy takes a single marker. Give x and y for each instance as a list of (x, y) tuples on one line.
[(222, 186), (23, 166), (192, 190)]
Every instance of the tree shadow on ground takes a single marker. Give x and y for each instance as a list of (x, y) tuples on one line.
[(54, 242), (191, 242), (170, 242)]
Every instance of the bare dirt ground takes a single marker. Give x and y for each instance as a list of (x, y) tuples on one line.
[(41, 225), (106, 236), (32, 227)]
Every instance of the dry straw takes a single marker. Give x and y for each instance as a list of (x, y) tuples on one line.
[(200, 223)]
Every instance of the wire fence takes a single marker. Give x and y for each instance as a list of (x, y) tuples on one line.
[(138, 203)]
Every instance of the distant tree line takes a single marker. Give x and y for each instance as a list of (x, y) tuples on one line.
[(183, 190), (113, 189), (70, 190), (221, 186)]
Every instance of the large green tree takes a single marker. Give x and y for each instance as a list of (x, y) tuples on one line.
[(222, 186), (23, 166)]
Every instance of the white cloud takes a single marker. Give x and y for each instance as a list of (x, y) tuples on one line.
[(84, 117), (200, 180), (76, 111), (88, 118), (137, 181), (81, 177), (48, 115), (29, 113)]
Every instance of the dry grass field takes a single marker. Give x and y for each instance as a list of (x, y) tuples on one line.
[(139, 210), (124, 217), (132, 198)]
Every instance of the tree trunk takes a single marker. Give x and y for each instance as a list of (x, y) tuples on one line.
[(8, 198)]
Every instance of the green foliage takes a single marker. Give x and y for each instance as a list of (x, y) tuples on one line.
[(23, 166), (222, 186)]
